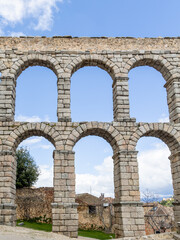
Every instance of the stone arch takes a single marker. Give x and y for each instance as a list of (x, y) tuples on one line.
[(164, 131), (159, 63), (91, 60), (35, 60), (25, 62), (104, 130), (3, 70), (27, 130), (3, 67)]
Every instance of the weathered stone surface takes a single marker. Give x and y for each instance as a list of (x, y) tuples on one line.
[(65, 55)]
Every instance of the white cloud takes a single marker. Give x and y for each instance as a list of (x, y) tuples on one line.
[(15, 11), (45, 177), (46, 119), (35, 142), (154, 170), (102, 182), (42, 11), (106, 167), (12, 11), (21, 118), (47, 146), (107, 150), (163, 118), (17, 34), (31, 141)]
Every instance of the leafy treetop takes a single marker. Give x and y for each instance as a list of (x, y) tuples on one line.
[(27, 170)]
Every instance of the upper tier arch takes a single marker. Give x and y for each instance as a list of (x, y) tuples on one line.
[(93, 60), (34, 60), (156, 61)]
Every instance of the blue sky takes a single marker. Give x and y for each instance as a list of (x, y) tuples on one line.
[(91, 87), (91, 18)]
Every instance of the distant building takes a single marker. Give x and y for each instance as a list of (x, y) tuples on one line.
[(158, 218), (165, 199), (94, 212)]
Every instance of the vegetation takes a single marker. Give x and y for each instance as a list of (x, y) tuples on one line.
[(48, 228), (27, 170), (95, 234), (36, 226), (167, 203), (40, 219), (149, 197)]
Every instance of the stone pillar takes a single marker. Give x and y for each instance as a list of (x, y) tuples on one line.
[(64, 208), (7, 98), (63, 106), (7, 188), (175, 169), (173, 99), (129, 213), (120, 98)]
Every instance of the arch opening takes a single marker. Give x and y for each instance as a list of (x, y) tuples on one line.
[(31, 133), (154, 166), (166, 137), (155, 180), (93, 151), (106, 131), (148, 98), (32, 129), (94, 182), (34, 202), (163, 131), (31, 62), (29, 107), (104, 65), (41, 149), (154, 63), (91, 95)]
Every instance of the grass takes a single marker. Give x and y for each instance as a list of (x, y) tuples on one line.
[(95, 234), (48, 228), (36, 226)]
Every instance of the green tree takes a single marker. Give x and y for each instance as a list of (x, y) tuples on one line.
[(167, 203), (27, 170)]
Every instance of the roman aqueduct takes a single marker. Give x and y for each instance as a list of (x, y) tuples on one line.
[(64, 56)]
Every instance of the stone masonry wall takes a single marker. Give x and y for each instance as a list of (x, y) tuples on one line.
[(34, 202), (64, 56)]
